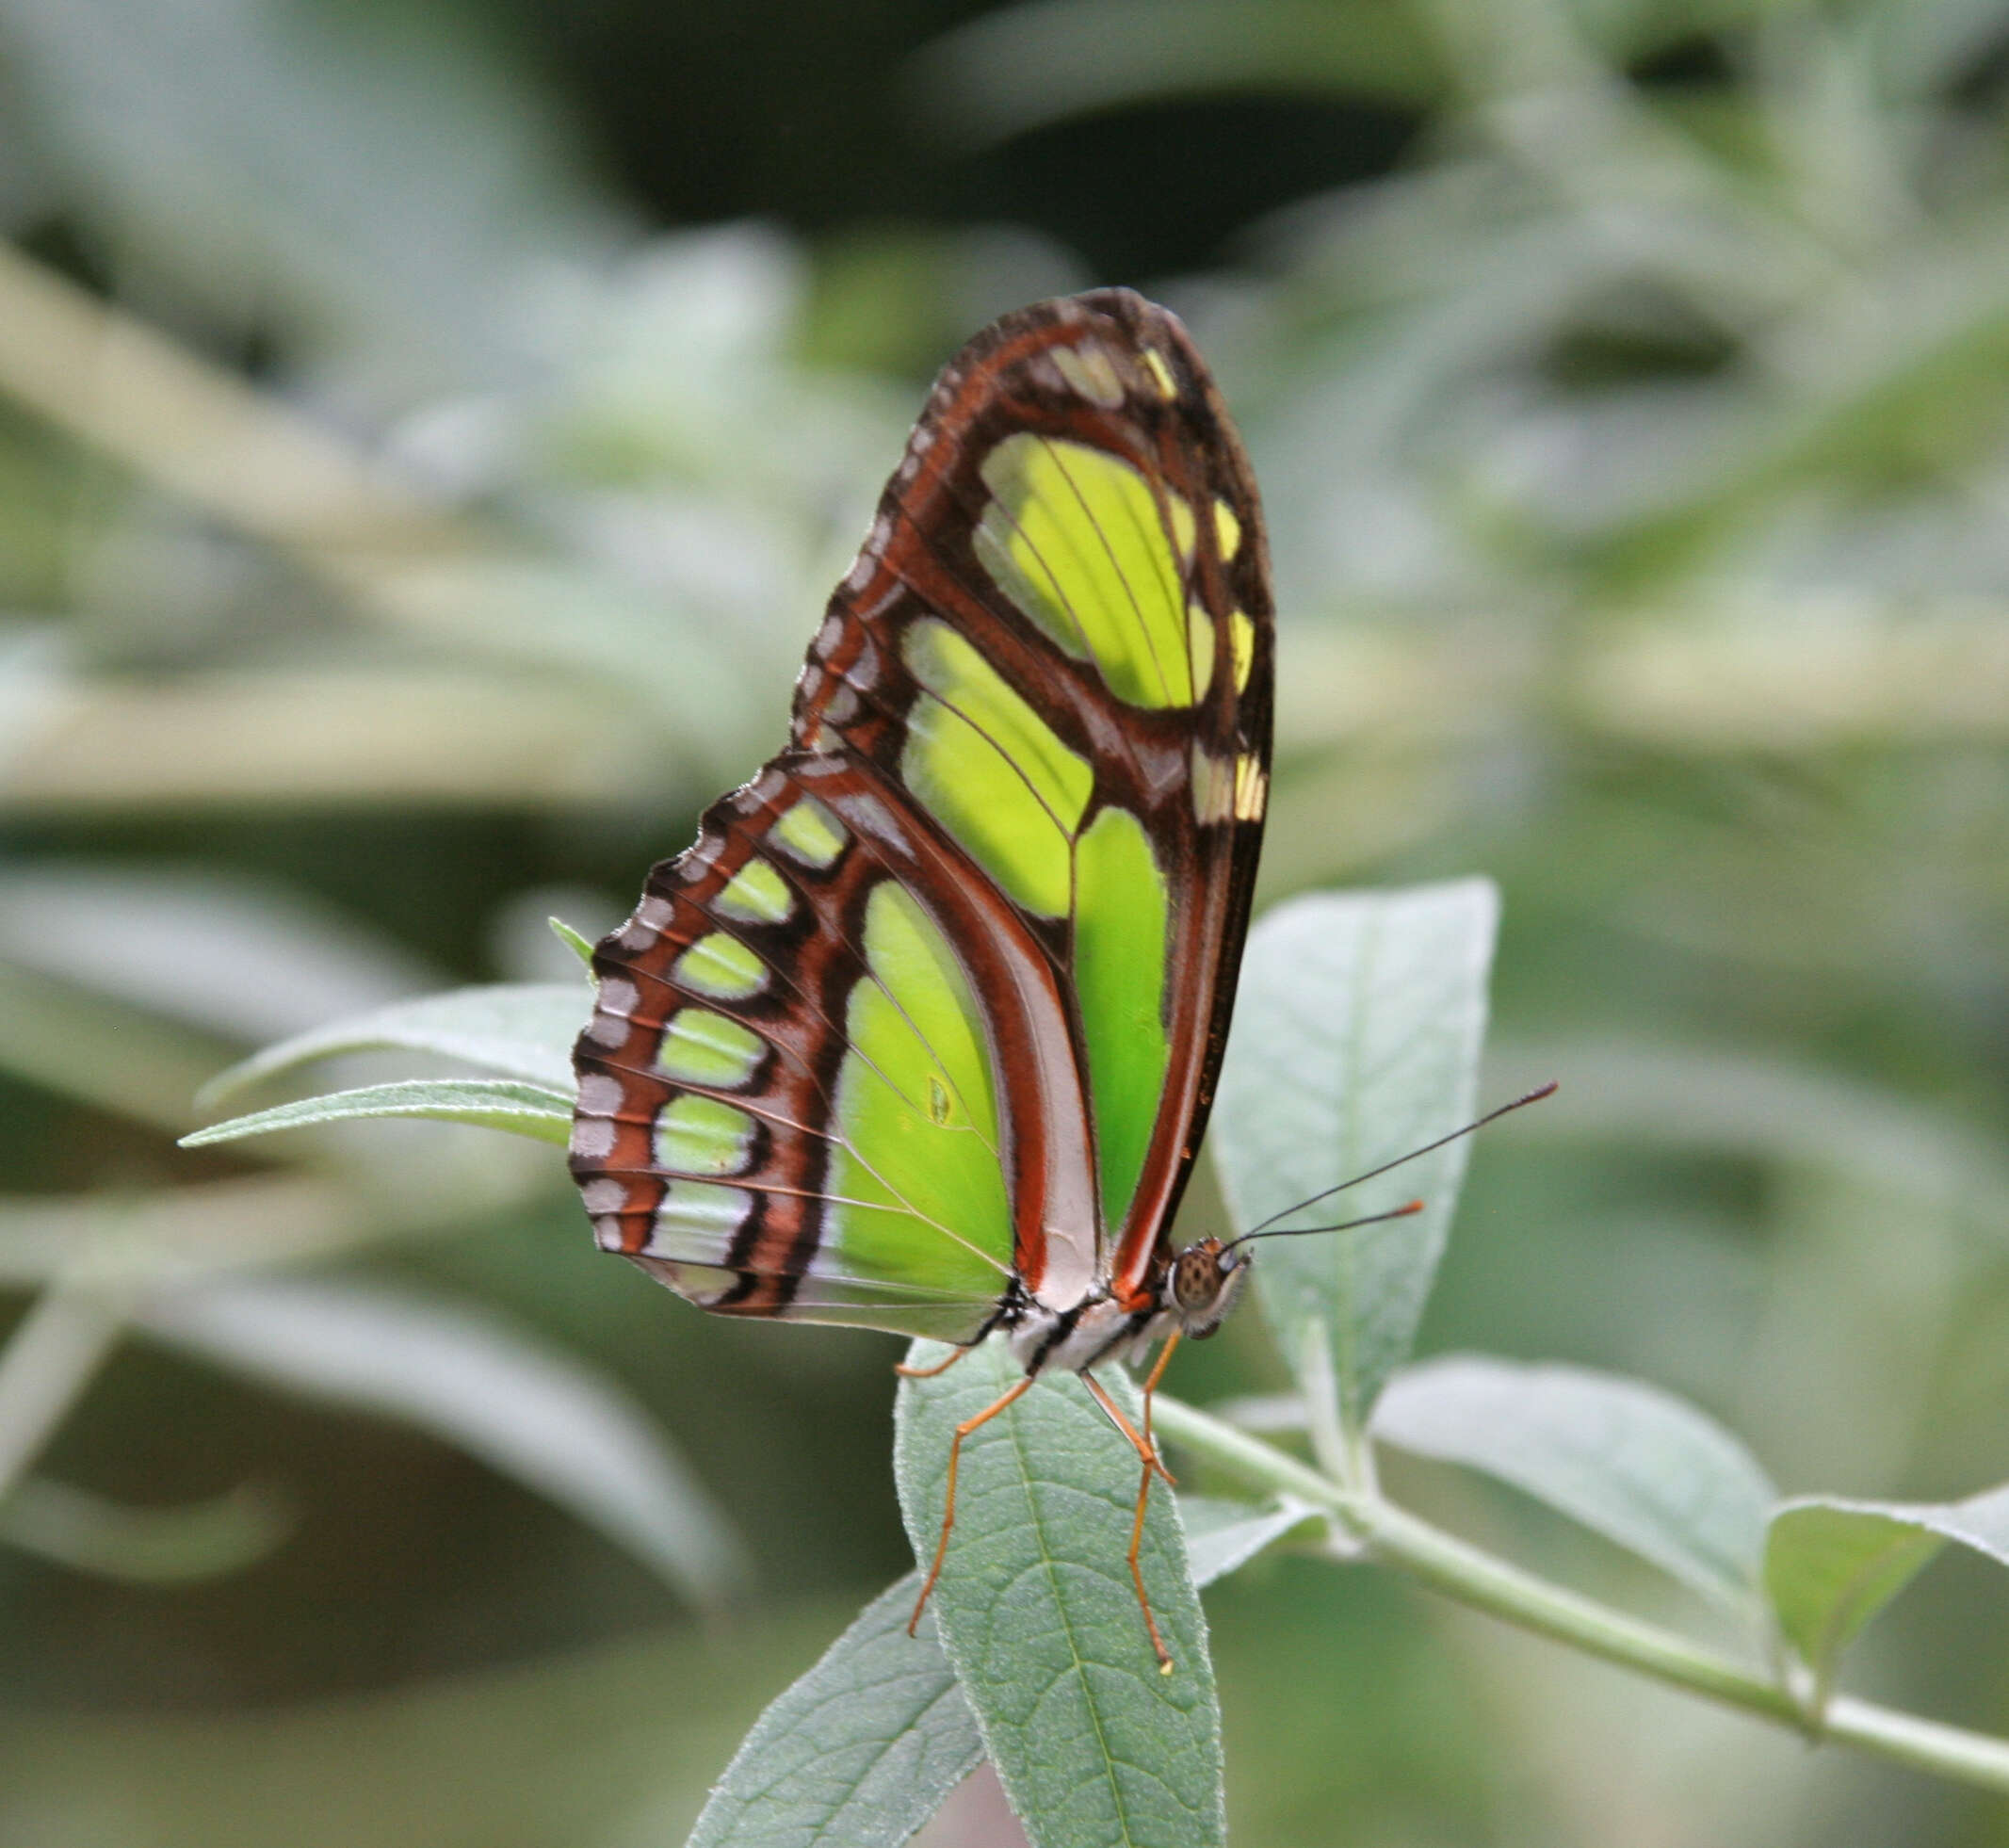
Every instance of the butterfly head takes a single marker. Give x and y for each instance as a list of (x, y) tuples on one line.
[(1202, 1284)]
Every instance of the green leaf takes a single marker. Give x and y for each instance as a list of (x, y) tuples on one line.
[(1634, 1464), (529, 1411), (1024, 66), (109, 1055), (1222, 1536), (521, 1029), (1832, 1565), (868, 1744), (1357, 1036), (243, 959), (142, 1546), (862, 1750), (283, 121), (52, 1354), (525, 1110), (1037, 1614), (177, 1232), (581, 946)]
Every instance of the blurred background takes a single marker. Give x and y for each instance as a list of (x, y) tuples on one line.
[(428, 431)]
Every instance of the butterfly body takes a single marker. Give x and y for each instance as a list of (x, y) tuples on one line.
[(922, 1032), (1190, 1295)]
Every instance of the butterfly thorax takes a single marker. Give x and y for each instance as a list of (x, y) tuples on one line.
[(1190, 1296)]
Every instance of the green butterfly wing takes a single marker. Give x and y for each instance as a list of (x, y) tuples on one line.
[(932, 1011)]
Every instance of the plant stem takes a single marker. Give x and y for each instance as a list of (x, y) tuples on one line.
[(1476, 1578)]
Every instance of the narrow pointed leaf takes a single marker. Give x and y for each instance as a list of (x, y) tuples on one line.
[(525, 1110), (580, 946), (521, 1029), (170, 1233), (1634, 1464), (1095, 1747), (527, 1410), (225, 955), (1357, 1036), (870, 1742), (142, 1546), (1023, 67), (1832, 1565), (105, 1054)]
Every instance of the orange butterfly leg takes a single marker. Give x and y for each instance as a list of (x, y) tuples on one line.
[(948, 1511), (1138, 1443), (1137, 1574), (1154, 1465), (907, 1372), (1158, 1373)]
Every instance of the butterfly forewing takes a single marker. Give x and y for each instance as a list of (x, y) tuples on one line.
[(976, 1026)]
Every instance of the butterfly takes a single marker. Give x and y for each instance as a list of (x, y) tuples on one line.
[(922, 1035)]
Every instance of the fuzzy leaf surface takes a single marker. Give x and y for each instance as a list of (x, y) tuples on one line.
[(1357, 1035), (523, 1110), (869, 1743), (1831, 1564), (1093, 1747), (521, 1029), (1637, 1466)]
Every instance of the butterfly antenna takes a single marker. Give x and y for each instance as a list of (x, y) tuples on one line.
[(1261, 1231), (1345, 1226)]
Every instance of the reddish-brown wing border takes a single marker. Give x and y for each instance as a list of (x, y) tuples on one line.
[(1165, 417)]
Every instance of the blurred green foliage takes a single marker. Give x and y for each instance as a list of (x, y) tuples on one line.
[(403, 535)]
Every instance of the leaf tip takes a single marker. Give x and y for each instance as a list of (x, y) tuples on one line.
[(573, 940), (232, 1078)]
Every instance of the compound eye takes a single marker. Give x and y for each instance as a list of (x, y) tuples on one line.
[(1202, 1288), (1197, 1277)]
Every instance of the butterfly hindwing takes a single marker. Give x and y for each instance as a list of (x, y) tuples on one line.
[(786, 1100), (971, 941)]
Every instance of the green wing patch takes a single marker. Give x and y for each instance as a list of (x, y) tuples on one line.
[(919, 1192), (1072, 536), (1120, 937)]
